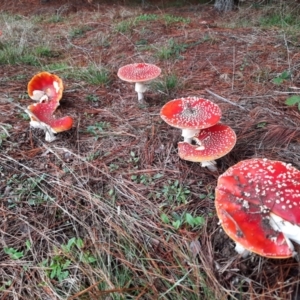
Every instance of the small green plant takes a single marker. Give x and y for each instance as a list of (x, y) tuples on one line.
[(281, 20), (12, 55), (24, 116), (57, 67), (169, 19), (124, 26), (167, 85), (261, 125), (175, 192), (72, 242), (293, 100), (173, 49), (97, 129), (133, 158), (44, 51), (145, 18), (13, 253), (55, 19), (30, 189), (186, 219), (113, 167), (93, 75), (194, 221), (92, 98), (79, 32), (57, 267), (145, 179), (282, 77), (5, 285)]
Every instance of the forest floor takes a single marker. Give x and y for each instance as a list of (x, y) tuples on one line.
[(108, 210)]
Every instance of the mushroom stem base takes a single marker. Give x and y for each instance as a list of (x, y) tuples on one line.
[(50, 137)]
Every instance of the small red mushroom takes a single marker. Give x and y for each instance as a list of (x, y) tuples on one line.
[(211, 143), (258, 204), (41, 115), (140, 74), (190, 114), (45, 87)]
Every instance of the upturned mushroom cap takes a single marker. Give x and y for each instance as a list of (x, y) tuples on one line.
[(249, 194), (212, 143), (41, 116), (139, 72), (45, 86), (44, 113), (191, 113)]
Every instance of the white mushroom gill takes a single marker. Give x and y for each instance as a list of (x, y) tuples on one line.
[(37, 95), (290, 231)]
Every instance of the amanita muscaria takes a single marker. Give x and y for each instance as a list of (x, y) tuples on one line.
[(41, 116), (191, 114), (258, 204), (210, 144), (45, 86), (140, 74)]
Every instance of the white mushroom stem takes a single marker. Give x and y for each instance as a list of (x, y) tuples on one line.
[(188, 134), (210, 165), (140, 88), (241, 250), (290, 231), (50, 137)]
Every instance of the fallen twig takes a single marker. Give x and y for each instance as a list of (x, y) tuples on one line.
[(225, 100)]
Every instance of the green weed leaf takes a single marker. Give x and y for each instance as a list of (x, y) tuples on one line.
[(292, 100), (165, 218)]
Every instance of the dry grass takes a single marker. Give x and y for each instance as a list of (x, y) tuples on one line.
[(81, 218)]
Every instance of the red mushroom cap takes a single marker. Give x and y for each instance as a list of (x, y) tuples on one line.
[(46, 84), (191, 113), (248, 193), (213, 143), (43, 112), (139, 72)]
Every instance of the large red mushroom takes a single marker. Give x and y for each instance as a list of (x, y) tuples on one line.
[(45, 86), (191, 114), (140, 74), (258, 204), (211, 143), (41, 116)]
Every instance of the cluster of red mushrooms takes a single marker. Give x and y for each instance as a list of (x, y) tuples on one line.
[(257, 200), (199, 120)]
